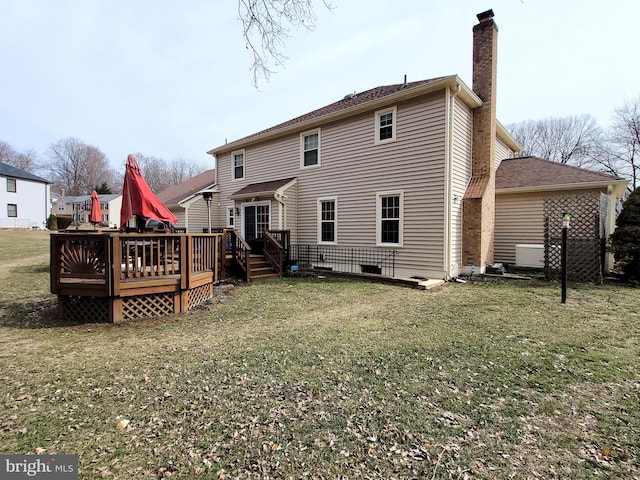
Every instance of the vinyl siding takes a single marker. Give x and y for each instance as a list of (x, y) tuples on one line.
[(460, 174), (353, 169), (32, 200), (520, 219), (197, 216), (502, 152)]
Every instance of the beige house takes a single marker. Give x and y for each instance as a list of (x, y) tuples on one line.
[(187, 202), (407, 169)]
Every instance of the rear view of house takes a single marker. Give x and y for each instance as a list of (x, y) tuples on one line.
[(391, 170)]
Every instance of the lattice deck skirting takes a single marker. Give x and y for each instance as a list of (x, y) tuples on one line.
[(146, 306), (200, 295), (79, 309)]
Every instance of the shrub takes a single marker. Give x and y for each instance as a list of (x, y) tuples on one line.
[(52, 222), (64, 221), (625, 241)]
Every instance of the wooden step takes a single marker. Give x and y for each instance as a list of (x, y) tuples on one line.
[(260, 268)]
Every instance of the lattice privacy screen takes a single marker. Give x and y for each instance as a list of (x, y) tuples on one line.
[(585, 236)]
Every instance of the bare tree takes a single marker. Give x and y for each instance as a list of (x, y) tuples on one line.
[(26, 160), (7, 153), (572, 140), (154, 171), (78, 167), (622, 155), (265, 26), (161, 174)]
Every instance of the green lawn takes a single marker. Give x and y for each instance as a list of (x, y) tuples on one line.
[(325, 379)]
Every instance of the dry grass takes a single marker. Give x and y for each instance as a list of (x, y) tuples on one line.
[(310, 378)]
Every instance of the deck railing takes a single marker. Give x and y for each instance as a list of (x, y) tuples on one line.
[(106, 264), (273, 252)]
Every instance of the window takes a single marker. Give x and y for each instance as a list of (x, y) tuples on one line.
[(310, 146), (230, 217), (12, 210), (238, 165), (386, 125), (262, 220), (327, 220), (104, 206), (389, 226), (11, 185)]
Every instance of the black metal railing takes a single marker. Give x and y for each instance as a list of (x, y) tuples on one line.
[(354, 260)]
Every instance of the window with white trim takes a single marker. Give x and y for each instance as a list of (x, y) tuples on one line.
[(389, 215), (230, 217), (238, 164), (12, 210), (328, 220), (310, 149), (386, 121), (11, 185)]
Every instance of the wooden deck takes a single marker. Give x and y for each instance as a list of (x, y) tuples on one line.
[(117, 277)]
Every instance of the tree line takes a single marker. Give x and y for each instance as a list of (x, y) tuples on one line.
[(77, 168), (581, 142)]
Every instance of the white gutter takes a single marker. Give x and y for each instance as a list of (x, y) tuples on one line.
[(621, 184), (448, 162)]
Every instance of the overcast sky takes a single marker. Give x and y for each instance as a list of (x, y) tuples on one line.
[(172, 78)]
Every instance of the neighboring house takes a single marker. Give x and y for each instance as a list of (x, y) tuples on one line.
[(186, 201), (523, 185), (79, 207), (24, 198), (407, 167)]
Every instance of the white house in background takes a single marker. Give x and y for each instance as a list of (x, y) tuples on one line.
[(79, 206), (24, 198)]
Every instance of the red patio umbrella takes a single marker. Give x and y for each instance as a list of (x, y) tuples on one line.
[(138, 199), (96, 211)]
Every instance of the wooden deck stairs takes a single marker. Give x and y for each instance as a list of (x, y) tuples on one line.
[(260, 268)]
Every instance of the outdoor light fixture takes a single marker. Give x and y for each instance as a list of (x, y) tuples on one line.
[(207, 195)]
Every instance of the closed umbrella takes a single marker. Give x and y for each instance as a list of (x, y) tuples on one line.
[(96, 211), (138, 199)]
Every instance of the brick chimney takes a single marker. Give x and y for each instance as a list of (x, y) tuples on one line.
[(478, 205)]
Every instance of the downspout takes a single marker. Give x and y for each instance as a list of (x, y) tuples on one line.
[(448, 168)]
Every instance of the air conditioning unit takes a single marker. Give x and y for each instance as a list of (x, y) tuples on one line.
[(530, 255)]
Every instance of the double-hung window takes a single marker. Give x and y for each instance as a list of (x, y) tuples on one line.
[(390, 206), (238, 164), (386, 121), (11, 185), (327, 220), (310, 149), (12, 210)]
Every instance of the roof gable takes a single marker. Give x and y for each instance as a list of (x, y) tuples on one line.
[(526, 172), (7, 170), (176, 194), (356, 103)]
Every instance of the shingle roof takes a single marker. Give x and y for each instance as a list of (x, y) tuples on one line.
[(263, 187), (348, 101), (536, 172), (177, 193), (7, 170)]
